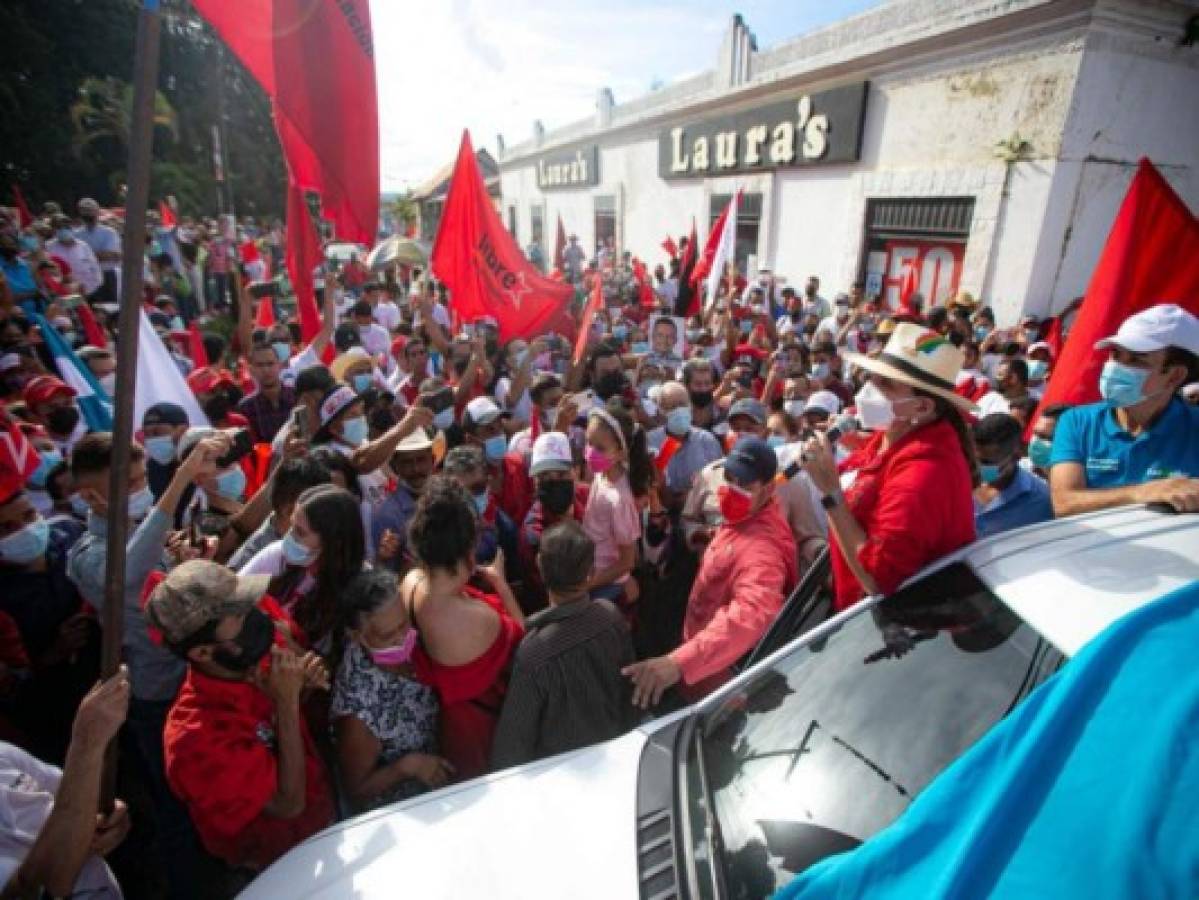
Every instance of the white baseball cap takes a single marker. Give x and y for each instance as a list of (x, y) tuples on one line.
[(1161, 326), (551, 453), (483, 410), (825, 400)]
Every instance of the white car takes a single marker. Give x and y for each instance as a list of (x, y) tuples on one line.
[(811, 751)]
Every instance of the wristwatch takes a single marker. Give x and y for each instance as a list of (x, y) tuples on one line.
[(828, 501)]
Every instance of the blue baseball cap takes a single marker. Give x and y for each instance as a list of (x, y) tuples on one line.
[(751, 460)]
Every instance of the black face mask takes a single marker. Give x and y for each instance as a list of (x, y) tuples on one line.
[(610, 385), (253, 641), (556, 496), (701, 398), (63, 419)]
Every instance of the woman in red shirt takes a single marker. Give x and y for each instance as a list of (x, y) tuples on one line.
[(904, 498), (466, 636)]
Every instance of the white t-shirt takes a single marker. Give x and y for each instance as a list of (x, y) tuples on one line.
[(27, 789), (388, 315), (375, 340), (828, 325), (85, 268)]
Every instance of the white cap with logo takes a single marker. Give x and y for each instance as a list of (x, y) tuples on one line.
[(551, 453), (1156, 328)]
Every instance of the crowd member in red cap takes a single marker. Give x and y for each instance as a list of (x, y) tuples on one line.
[(217, 393), (51, 403)]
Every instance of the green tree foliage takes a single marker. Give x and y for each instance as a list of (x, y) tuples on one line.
[(61, 56)]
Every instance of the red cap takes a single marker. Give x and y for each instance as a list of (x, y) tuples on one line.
[(207, 380), (45, 388)]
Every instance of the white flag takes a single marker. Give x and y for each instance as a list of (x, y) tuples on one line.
[(159, 379)]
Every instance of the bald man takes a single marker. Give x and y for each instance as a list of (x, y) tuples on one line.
[(688, 448)]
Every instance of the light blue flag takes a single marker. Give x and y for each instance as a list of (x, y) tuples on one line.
[(94, 404), (1090, 788)]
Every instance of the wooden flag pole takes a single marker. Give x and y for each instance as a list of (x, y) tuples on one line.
[(141, 141)]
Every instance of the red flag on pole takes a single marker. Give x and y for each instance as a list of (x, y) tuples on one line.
[(560, 247), (195, 345), (1151, 257), (594, 302), (92, 332), (166, 215), (907, 288), (687, 303), (704, 266), (326, 115), (24, 216), (266, 313), (483, 267), (670, 247)]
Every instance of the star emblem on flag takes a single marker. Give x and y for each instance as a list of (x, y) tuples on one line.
[(518, 290)]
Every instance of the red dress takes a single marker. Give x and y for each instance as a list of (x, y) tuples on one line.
[(471, 694)]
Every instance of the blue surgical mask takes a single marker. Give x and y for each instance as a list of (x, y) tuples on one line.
[(989, 473), (161, 450), (481, 500), (295, 553), (747, 326), (50, 459), (820, 370), (140, 504), (362, 382), (775, 441), (354, 431), (282, 350), (678, 421), (495, 447), (1039, 450), (620, 332), (79, 506), (1037, 369), (444, 419), (1122, 385), (24, 546), (640, 347), (981, 332), (231, 483)]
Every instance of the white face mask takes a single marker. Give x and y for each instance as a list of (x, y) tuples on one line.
[(875, 411)]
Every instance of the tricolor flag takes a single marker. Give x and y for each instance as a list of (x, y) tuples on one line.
[(94, 404), (725, 231)]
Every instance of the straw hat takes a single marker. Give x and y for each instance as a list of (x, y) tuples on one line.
[(919, 357)]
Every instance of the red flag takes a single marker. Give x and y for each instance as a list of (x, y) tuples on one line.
[(670, 247), (326, 115), (1151, 257), (266, 313), (560, 247), (594, 302), (687, 302), (483, 267), (1055, 334), (666, 452), (704, 266), (24, 216), (92, 332), (166, 215), (18, 458), (645, 290), (195, 342), (909, 286)]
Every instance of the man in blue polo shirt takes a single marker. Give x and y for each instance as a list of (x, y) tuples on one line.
[(1010, 496), (1141, 443)]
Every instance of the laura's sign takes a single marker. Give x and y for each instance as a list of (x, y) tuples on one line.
[(569, 169), (811, 129)]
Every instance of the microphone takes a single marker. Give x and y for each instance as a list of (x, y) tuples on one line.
[(843, 425)]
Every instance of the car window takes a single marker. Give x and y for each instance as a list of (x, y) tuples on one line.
[(828, 746)]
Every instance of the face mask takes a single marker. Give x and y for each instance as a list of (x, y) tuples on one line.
[(794, 408), (620, 332), (1122, 385), (775, 441), (24, 546), (253, 641), (597, 460), (481, 500), (79, 506), (140, 504), (354, 431), (63, 419), (640, 347), (678, 421), (176, 323), (701, 398), (1038, 452), (610, 385), (556, 496), (495, 447), (693, 335), (361, 383), (1037, 369), (109, 383), (231, 483), (161, 450), (990, 473), (66, 236), (747, 326), (295, 553), (981, 332), (50, 459), (875, 411), (736, 503), (444, 419), (820, 370), (282, 351), (396, 655)]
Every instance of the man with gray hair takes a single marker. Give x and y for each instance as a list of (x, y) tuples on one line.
[(105, 244)]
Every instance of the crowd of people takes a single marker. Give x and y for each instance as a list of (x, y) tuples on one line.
[(406, 552)]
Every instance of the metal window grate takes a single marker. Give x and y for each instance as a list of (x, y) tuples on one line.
[(949, 216)]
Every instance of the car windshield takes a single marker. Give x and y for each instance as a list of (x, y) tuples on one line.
[(829, 745)]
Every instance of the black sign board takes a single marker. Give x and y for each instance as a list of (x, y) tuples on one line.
[(569, 169), (808, 130)]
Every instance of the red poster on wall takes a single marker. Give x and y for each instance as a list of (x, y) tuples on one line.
[(938, 266)]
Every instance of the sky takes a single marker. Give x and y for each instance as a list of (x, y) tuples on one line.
[(495, 66)]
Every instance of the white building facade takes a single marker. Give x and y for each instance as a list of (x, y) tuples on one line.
[(988, 143)]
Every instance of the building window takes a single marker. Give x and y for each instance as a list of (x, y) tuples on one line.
[(512, 222), (749, 219), (926, 235), (605, 221)]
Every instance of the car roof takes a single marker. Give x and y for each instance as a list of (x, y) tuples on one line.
[(1070, 578)]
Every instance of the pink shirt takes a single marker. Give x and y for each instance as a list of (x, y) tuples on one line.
[(611, 519)]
